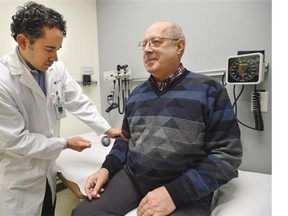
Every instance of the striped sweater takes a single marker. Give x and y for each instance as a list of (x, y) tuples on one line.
[(185, 137)]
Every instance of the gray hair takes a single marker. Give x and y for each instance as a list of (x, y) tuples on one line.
[(176, 31)]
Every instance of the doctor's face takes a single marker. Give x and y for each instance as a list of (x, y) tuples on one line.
[(41, 54)]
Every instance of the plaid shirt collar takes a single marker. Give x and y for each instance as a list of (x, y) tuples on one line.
[(162, 85)]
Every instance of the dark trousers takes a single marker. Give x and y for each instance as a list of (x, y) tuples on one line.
[(122, 195), (48, 208)]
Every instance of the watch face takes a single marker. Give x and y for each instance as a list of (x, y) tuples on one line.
[(244, 68)]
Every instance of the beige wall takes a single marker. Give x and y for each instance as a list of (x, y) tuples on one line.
[(79, 48)]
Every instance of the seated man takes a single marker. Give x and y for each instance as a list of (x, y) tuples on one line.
[(184, 139)]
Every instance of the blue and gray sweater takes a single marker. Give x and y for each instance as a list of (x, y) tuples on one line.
[(185, 137)]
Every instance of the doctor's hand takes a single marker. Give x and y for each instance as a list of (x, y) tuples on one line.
[(157, 202), (115, 132), (95, 183), (78, 143)]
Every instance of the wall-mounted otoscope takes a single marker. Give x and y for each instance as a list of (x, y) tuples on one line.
[(123, 87), (121, 91)]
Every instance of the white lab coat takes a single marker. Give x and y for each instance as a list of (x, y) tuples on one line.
[(29, 132)]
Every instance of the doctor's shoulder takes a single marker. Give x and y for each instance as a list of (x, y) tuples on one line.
[(58, 69), (59, 72), (8, 67), (4, 63), (58, 66)]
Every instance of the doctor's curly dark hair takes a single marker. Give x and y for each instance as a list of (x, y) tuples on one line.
[(32, 17)]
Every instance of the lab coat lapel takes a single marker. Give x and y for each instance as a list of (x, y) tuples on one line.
[(28, 80), (49, 81)]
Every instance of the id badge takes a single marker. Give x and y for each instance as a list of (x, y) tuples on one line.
[(60, 109)]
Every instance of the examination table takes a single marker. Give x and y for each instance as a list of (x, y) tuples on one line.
[(247, 195)]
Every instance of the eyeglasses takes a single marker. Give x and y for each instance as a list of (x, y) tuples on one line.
[(153, 42)]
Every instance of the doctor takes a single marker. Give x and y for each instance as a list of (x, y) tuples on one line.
[(35, 92)]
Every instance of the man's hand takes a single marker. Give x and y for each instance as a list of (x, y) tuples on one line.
[(78, 143), (95, 183), (157, 203)]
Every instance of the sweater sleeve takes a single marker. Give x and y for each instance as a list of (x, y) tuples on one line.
[(116, 158), (224, 153)]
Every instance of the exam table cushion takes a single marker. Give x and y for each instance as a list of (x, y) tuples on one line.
[(247, 195)]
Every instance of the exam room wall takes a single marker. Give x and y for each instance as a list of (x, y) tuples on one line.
[(79, 48), (214, 30)]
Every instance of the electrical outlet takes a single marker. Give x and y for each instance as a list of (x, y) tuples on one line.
[(263, 101), (109, 75), (112, 75)]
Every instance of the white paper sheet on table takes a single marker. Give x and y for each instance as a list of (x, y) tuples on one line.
[(77, 166)]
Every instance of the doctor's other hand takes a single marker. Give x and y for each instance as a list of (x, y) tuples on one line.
[(78, 143), (115, 132), (95, 183)]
